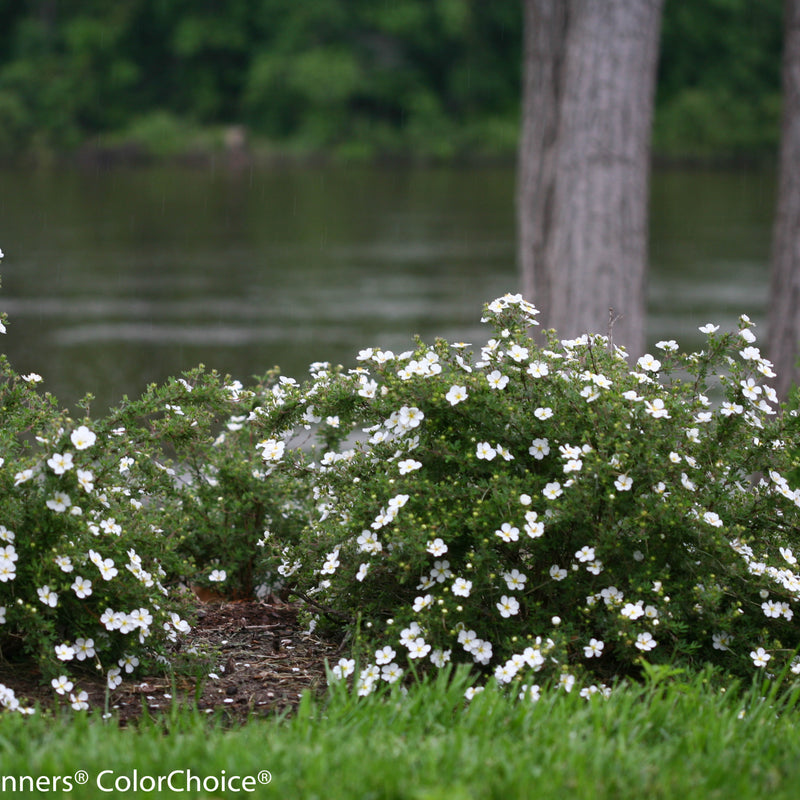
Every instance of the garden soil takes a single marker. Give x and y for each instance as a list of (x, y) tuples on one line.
[(259, 658)]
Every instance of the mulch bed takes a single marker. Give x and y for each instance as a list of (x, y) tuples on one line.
[(261, 663)]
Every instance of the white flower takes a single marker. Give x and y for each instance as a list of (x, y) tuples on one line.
[(441, 571), (61, 684), (557, 573), (418, 648), (656, 409), (84, 648), (645, 642), (586, 553), (47, 596), (632, 610), (79, 701), (708, 328), (362, 572), (64, 563), (461, 587), (485, 451), (515, 580), (436, 548), (533, 527), (507, 532), (623, 483), (667, 345), (384, 655), (421, 603), (64, 652), (23, 476), (107, 569), (440, 657), (60, 463), (345, 667), (543, 413), (539, 448), (218, 575), (720, 641), (59, 502), (566, 682), (408, 465), (771, 608), (647, 362), (552, 490), (481, 651), (86, 479), (82, 587), (538, 369), (594, 649), (271, 449), (128, 662), (391, 673), (760, 657), (82, 438), (518, 353), (508, 606), (497, 380), (457, 394), (113, 678), (712, 518), (750, 389)]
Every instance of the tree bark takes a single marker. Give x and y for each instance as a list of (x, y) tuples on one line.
[(583, 175), (784, 300)]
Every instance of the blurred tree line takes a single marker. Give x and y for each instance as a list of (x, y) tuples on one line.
[(360, 78)]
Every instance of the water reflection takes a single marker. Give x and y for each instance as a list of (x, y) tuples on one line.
[(116, 279)]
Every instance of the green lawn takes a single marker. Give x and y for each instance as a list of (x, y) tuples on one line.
[(668, 741)]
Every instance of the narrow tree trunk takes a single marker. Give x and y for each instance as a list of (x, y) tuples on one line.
[(784, 301), (582, 198)]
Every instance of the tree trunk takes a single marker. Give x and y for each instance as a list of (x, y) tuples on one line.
[(784, 300), (582, 195)]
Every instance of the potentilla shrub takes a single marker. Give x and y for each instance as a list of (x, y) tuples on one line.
[(223, 500), (547, 513), (83, 563)]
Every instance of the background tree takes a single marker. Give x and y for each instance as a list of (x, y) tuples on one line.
[(582, 200), (784, 297)]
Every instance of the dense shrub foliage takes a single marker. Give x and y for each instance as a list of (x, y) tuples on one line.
[(83, 561), (437, 78), (546, 511), (549, 509)]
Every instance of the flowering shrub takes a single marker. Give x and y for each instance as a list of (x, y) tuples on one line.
[(546, 512), (83, 562), (224, 499)]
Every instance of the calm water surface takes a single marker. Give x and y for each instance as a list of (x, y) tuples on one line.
[(114, 279)]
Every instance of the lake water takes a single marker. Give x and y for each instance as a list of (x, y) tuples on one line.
[(116, 278)]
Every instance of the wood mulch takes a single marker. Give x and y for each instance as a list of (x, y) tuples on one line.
[(260, 662)]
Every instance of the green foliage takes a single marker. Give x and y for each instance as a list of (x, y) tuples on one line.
[(684, 739), (360, 78), (719, 79), (548, 510), (83, 563), (224, 503)]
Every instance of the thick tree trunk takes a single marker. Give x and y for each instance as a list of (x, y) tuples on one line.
[(784, 301), (582, 197)]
